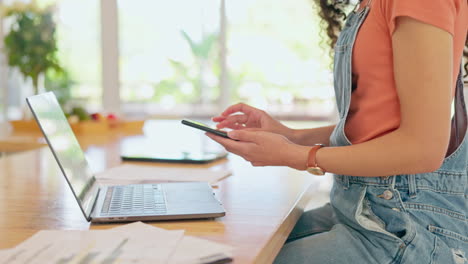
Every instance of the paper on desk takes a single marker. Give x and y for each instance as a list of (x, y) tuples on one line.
[(4, 253), (95, 246), (189, 249), (135, 174), (195, 250)]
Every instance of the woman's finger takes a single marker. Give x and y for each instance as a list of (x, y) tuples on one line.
[(240, 107), (244, 135), (230, 145), (258, 164), (218, 118), (239, 119), (233, 122), (229, 125)]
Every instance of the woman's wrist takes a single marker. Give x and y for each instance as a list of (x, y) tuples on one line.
[(297, 157), (290, 134), (283, 130)]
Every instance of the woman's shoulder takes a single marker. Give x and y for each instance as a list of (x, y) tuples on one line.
[(440, 13)]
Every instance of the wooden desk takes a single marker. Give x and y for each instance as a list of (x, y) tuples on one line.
[(262, 204), (11, 146), (21, 142)]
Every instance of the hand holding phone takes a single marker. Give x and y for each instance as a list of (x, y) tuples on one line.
[(204, 127)]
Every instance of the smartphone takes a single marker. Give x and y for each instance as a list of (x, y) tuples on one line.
[(204, 127)]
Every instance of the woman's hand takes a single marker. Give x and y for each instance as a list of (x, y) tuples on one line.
[(263, 148), (250, 117)]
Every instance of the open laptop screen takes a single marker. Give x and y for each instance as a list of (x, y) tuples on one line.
[(66, 149)]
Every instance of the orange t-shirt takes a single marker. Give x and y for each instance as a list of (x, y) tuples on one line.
[(375, 109)]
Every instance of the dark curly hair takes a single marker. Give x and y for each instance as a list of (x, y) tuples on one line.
[(333, 15)]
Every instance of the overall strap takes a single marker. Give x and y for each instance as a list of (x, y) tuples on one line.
[(459, 120), (357, 7)]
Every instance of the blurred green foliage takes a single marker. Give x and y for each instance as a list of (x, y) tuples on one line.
[(60, 83), (31, 43), (205, 62), (80, 112), (202, 49)]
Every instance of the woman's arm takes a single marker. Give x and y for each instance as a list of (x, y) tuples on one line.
[(423, 74), (423, 60), (311, 136)]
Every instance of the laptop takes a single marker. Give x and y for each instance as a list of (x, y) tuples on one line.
[(119, 203)]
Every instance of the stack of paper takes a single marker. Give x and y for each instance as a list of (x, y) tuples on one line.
[(134, 174), (132, 243)]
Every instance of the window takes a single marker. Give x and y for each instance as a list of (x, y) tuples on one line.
[(78, 37), (172, 53), (169, 55), (275, 58)]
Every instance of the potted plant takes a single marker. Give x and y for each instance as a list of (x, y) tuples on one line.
[(30, 44)]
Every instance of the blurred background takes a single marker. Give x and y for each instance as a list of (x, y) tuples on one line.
[(166, 59)]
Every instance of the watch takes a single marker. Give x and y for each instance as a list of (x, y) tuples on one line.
[(312, 166)]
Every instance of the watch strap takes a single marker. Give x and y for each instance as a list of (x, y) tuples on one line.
[(311, 161)]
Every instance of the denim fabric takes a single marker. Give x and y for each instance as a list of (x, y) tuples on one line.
[(417, 218)]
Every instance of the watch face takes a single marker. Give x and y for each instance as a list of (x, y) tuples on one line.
[(315, 171)]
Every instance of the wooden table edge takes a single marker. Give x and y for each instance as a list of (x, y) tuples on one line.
[(276, 241)]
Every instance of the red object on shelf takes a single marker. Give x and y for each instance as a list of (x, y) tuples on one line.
[(111, 117), (97, 117)]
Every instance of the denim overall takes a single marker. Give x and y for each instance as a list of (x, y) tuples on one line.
[(413, 218)]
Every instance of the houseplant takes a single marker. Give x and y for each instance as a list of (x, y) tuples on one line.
[(30, 44)]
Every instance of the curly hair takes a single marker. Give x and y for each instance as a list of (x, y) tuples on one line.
[(465, 54), (332, 16)]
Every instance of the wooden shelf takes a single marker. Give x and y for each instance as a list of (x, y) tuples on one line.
[(86, 127)]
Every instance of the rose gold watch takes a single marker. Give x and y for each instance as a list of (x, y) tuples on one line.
[(312, 166)]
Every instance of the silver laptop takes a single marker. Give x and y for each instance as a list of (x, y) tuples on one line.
[(142, 202)]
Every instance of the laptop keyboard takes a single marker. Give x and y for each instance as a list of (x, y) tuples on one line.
[(145, 199)]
